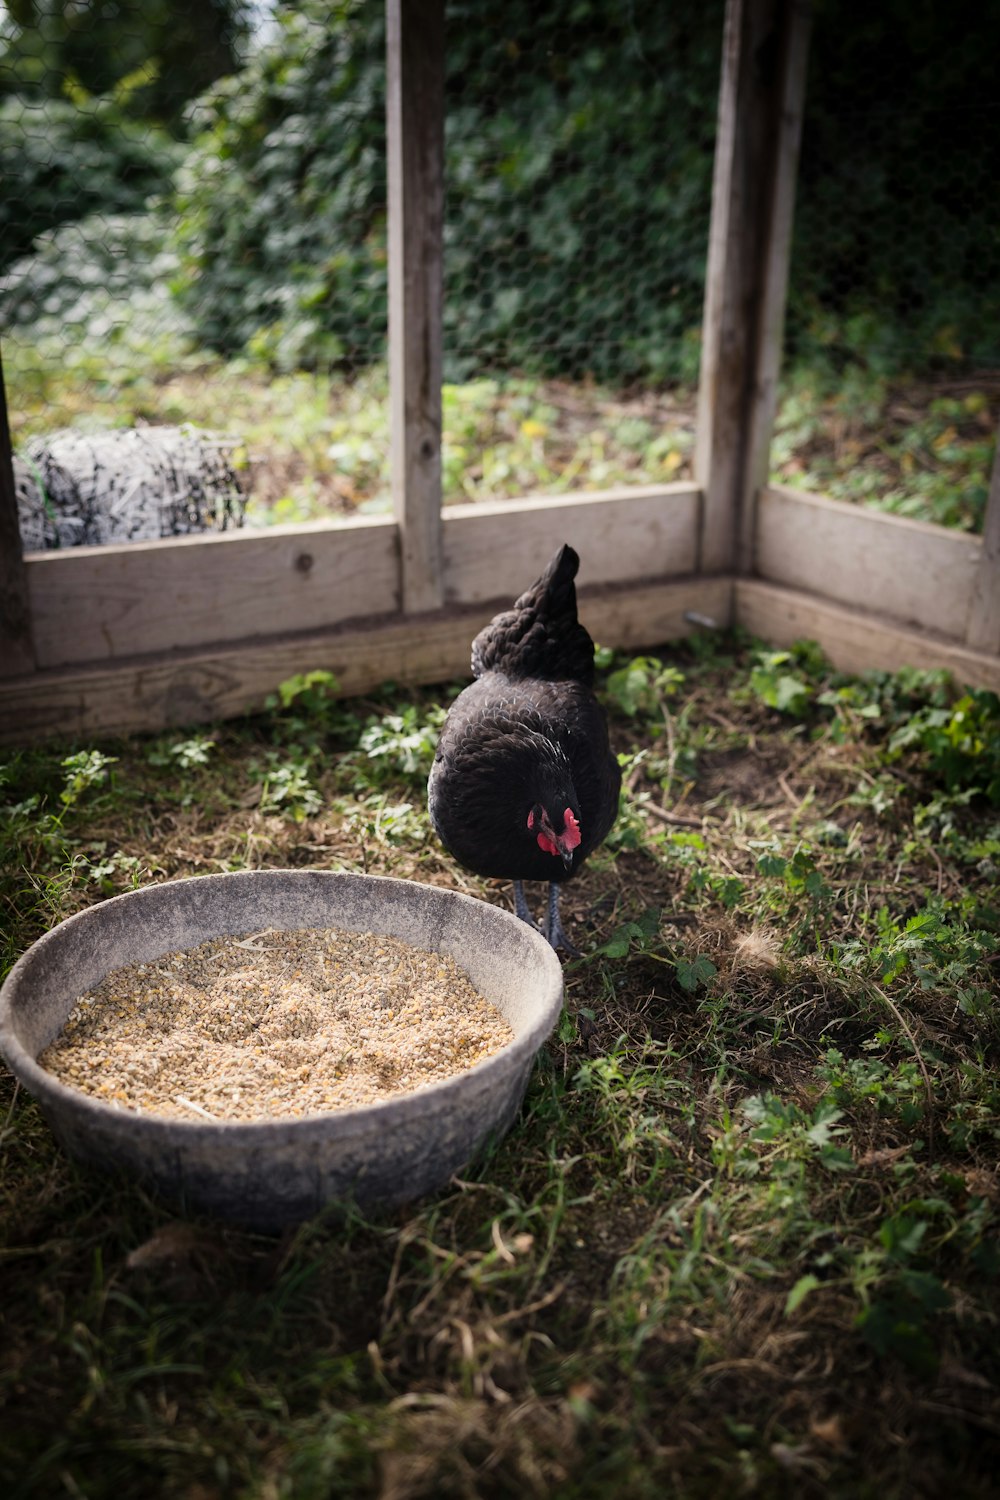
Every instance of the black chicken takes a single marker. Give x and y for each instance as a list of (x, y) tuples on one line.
[(524, 784)]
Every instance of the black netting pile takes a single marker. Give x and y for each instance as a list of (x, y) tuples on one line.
[(85, 489)]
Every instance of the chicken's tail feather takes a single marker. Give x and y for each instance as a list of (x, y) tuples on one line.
[(541, 636)]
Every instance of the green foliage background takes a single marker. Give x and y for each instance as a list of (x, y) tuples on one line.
[(896, 254), (579, 143), (62, 161), (578, 164), (91, 103), (281, 202), (183, 46)]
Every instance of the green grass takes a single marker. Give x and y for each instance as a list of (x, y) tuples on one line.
[(906, 447), (743, 1235), (318, 445)]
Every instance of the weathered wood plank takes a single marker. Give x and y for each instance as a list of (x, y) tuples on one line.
[(765, 47), (723, 332), (640, 615), (983, 632), (415, 169), (918, 573), (91, 603), (856, 640), (16, 651), (173, 689), (793, 31), (495, 550)]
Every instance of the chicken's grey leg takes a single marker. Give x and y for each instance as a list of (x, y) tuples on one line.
[(554, 930), (521, 906)]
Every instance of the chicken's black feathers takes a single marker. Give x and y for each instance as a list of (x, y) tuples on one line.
[(527, 733), (541, 636)]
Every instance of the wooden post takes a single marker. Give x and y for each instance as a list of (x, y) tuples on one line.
[(16, 654), (415, 147), (983, 630), (765, 47)]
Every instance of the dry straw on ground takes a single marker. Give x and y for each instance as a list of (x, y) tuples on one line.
[(275, 1024)]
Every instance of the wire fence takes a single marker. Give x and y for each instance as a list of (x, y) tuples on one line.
[(892, 351), (579, 148), (226, 268), (240, 283)]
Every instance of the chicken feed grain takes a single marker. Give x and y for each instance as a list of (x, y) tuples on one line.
[(275, 1024)]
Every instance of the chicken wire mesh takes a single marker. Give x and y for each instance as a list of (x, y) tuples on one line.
[(579, 149), (220, 259), (892, 348), (241, 283)]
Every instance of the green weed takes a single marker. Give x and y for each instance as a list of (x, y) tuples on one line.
[(286, 787), (961, 743), (401, 745)]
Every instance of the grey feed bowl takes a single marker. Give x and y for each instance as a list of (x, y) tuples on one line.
[(268, 1173)]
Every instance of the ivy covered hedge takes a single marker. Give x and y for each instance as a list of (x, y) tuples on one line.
[(62, 159), (579, 140), (578, 161), (896, 253), (281, 202), (579, 144)]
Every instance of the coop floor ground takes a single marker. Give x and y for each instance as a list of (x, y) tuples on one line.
[(742, 1239)]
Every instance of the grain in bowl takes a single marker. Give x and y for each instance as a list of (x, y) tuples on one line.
[(275, 1024)]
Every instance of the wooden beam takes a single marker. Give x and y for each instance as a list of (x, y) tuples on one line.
[(856, 640), (91, 604), (173, 689), (494, 550), (915, 572), (415, 166), (16, 648), (983, 631), (794, 31), (765, 48)]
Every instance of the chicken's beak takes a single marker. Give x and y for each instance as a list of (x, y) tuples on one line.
[(567, 858)]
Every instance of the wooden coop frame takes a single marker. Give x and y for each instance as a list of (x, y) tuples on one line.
[(142, 636)]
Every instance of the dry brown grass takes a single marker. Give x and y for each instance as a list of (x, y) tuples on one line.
[(601, 1305)]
